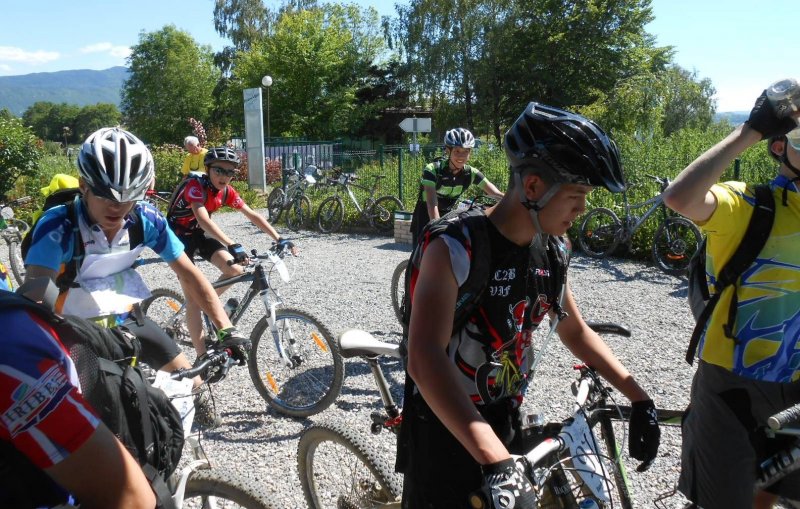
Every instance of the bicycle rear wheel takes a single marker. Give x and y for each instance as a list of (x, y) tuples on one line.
[(308, 379), (275, 204), (399, 289), (17, 263), (213, 488), (166, 308), (381, 214), (339, 469), (598, 232), (674, 244), (330, 214), (299, 213)]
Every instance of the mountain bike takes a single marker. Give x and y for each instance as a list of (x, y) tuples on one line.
[(200, 484), (568, 462), (378, 212), (675, 241), (12, 230), (294, 362), (291, 199), (160, 199)]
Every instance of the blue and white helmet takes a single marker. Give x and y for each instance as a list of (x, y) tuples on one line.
[(459, 137)]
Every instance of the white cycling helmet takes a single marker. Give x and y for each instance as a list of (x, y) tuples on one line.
[(459, 137), (116, 165)]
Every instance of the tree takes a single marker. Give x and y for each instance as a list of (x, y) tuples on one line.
[(20, 152), (5, 114), (171, 79), (49, 119), (319, 58), (91, 118)]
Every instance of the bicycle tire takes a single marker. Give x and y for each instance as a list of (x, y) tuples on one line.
[(332, 456), (314, 380), (398, 289), (299, 212), (598, 236), (381, 214), (275, 204), (16, 261), (675, 242), (330, 214), (165, 307), (226, 489)]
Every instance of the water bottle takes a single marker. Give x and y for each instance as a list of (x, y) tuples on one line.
[(588, 503), (784, 95), (230, 306)]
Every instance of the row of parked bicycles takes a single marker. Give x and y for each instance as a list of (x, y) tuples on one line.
[(291, 201)]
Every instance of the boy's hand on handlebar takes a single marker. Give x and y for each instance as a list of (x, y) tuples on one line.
[(282, 245), (644, 433), (507, 486), (239, 346), (238, 253)]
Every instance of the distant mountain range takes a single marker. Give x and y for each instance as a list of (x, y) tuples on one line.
[(80, 87), (733, 117)]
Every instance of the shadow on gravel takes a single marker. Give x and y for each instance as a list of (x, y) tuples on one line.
[(395, 246), (619, 270)]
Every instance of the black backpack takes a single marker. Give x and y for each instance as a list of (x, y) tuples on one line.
[(118, 391), (173, 213), (68, 198), (755, 237)]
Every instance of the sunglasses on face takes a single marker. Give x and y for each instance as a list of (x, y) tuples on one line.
[(225, 172)]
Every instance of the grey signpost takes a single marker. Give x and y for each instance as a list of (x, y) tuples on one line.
[(254, 134), (414, 126)]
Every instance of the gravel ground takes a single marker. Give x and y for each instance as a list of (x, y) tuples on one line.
[(344, 281)]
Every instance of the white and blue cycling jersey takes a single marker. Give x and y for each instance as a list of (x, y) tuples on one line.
[(52, 242), (104, 286)]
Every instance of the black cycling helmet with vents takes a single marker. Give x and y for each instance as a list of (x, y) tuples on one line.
[(570, 148), (218, 155)]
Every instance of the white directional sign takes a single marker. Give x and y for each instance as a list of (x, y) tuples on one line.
[(416, 125)]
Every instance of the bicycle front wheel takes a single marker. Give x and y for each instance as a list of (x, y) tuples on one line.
[(166, 308), (208, 488), (399, 289), (330, 215), (295, 366), (339, 469), (381, 214), (674, 244), (598, 235), (17, 263), (275, 204), (299, 212)]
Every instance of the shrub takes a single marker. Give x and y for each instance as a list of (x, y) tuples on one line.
[(20, 153), (168, 159)]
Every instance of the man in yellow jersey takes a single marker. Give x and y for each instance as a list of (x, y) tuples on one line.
[(194, 159), (750, 369)]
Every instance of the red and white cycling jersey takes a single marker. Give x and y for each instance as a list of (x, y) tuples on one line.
[(199, 190), (42, 412)]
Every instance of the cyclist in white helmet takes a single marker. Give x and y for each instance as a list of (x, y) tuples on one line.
[(90, 247), (443, 182)]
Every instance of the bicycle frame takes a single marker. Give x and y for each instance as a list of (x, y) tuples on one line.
[(349, 184), (633, 222)]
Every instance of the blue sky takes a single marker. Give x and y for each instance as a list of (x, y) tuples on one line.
[(741, 45)]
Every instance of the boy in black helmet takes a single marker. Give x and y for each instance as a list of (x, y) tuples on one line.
[(460, 416), (189, 216)]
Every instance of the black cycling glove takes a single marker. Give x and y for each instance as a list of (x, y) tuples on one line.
[(238, 253), (239, 346), (284, 244), (764, 119), (645, 435), (507, 486)]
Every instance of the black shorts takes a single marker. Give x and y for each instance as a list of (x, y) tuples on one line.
[(196, 241), (724, 440), (439, 473), (157, 347)]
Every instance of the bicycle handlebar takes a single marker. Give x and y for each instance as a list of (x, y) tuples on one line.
[(213, 359), (609, 328), (785, 418)]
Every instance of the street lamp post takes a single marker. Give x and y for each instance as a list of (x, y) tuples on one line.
[(267, 82)]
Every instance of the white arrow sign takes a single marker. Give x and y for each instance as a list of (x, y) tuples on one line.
[(416, 125)]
